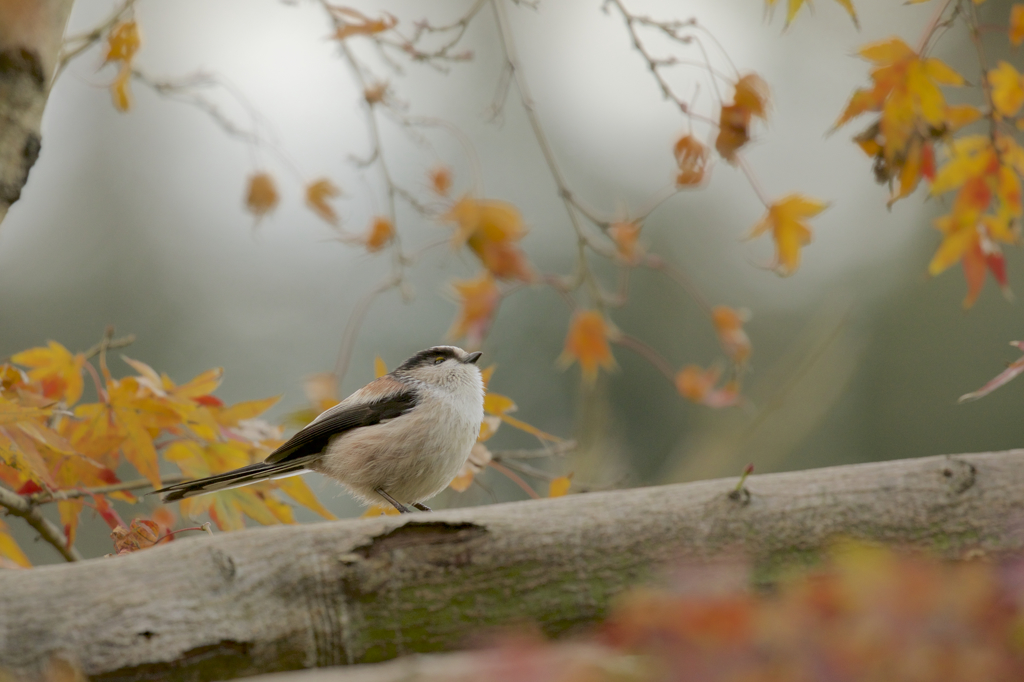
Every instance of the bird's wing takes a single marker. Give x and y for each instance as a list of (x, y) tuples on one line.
[(382, 399)]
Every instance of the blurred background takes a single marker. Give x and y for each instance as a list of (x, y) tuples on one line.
[(137, 220)]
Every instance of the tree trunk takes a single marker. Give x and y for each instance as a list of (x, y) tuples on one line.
[(324, 594), (31, 32)]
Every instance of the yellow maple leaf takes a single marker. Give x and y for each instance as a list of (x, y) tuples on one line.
[(59, 372), (9, 549), (587, 343), (120, 90), (1007, 89), (793, 7), (317, 195), (559, 487), (379, 368), (123, 42), (786, 218)]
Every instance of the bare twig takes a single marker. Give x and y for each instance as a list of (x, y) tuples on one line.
[(135, 484), (554, 450), (20, 506)]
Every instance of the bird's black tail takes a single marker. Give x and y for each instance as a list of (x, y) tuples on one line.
[(233, 479)]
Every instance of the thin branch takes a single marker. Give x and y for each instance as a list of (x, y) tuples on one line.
[(135, 484), (113, 343), (20, 506), (86, 40), (554, 450), (647, 353)]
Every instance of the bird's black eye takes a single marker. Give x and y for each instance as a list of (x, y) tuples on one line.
[(439, 359)]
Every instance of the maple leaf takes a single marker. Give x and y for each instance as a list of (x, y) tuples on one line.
[(479, 458), (9, 550), (587, 343), (248, 409), (728, 324), (317, 195), (120, 89), (140, 534), (749, 100), (441, 180), (906, 92), (698, 385), (559, 487), (58, 371), (381, 232), (972, 245), (354, 23), (692, 158), (793, 7), (297, 489), (123, 42), (1013, 370), (491, 229), (1007, 89), (625, 234), (478, 298), (379, 510), (261, 197), (1017, 24), (786, 220)]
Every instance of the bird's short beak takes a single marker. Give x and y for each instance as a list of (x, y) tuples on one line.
[(473, 357)]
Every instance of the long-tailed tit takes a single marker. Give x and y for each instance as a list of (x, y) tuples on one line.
[(400, 439)]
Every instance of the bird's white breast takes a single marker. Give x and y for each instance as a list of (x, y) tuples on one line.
[(412, 457)]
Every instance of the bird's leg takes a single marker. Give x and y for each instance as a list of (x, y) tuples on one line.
[(402, 509), (421, 507)]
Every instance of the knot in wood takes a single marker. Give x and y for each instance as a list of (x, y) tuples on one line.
[(959, 475)]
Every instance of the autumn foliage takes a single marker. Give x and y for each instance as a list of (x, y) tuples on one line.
[(866, 614)]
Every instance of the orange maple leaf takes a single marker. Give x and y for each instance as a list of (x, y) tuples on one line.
[(786, 220), (698, 385), (317, 195), (625, 234), (479, 458), (261, 197), (750, 100), (587, 342), (441, 180), (692, 159), (56, 369), (728, 324), (478, 299), (1017, 24), (491, 229), (380, 233), (355, 23)]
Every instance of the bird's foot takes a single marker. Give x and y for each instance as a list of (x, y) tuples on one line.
[(402, 509), (421, 507)]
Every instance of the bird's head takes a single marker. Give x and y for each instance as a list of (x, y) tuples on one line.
[(443, 366)]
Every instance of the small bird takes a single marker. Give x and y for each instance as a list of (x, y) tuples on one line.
[(399, 440)]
